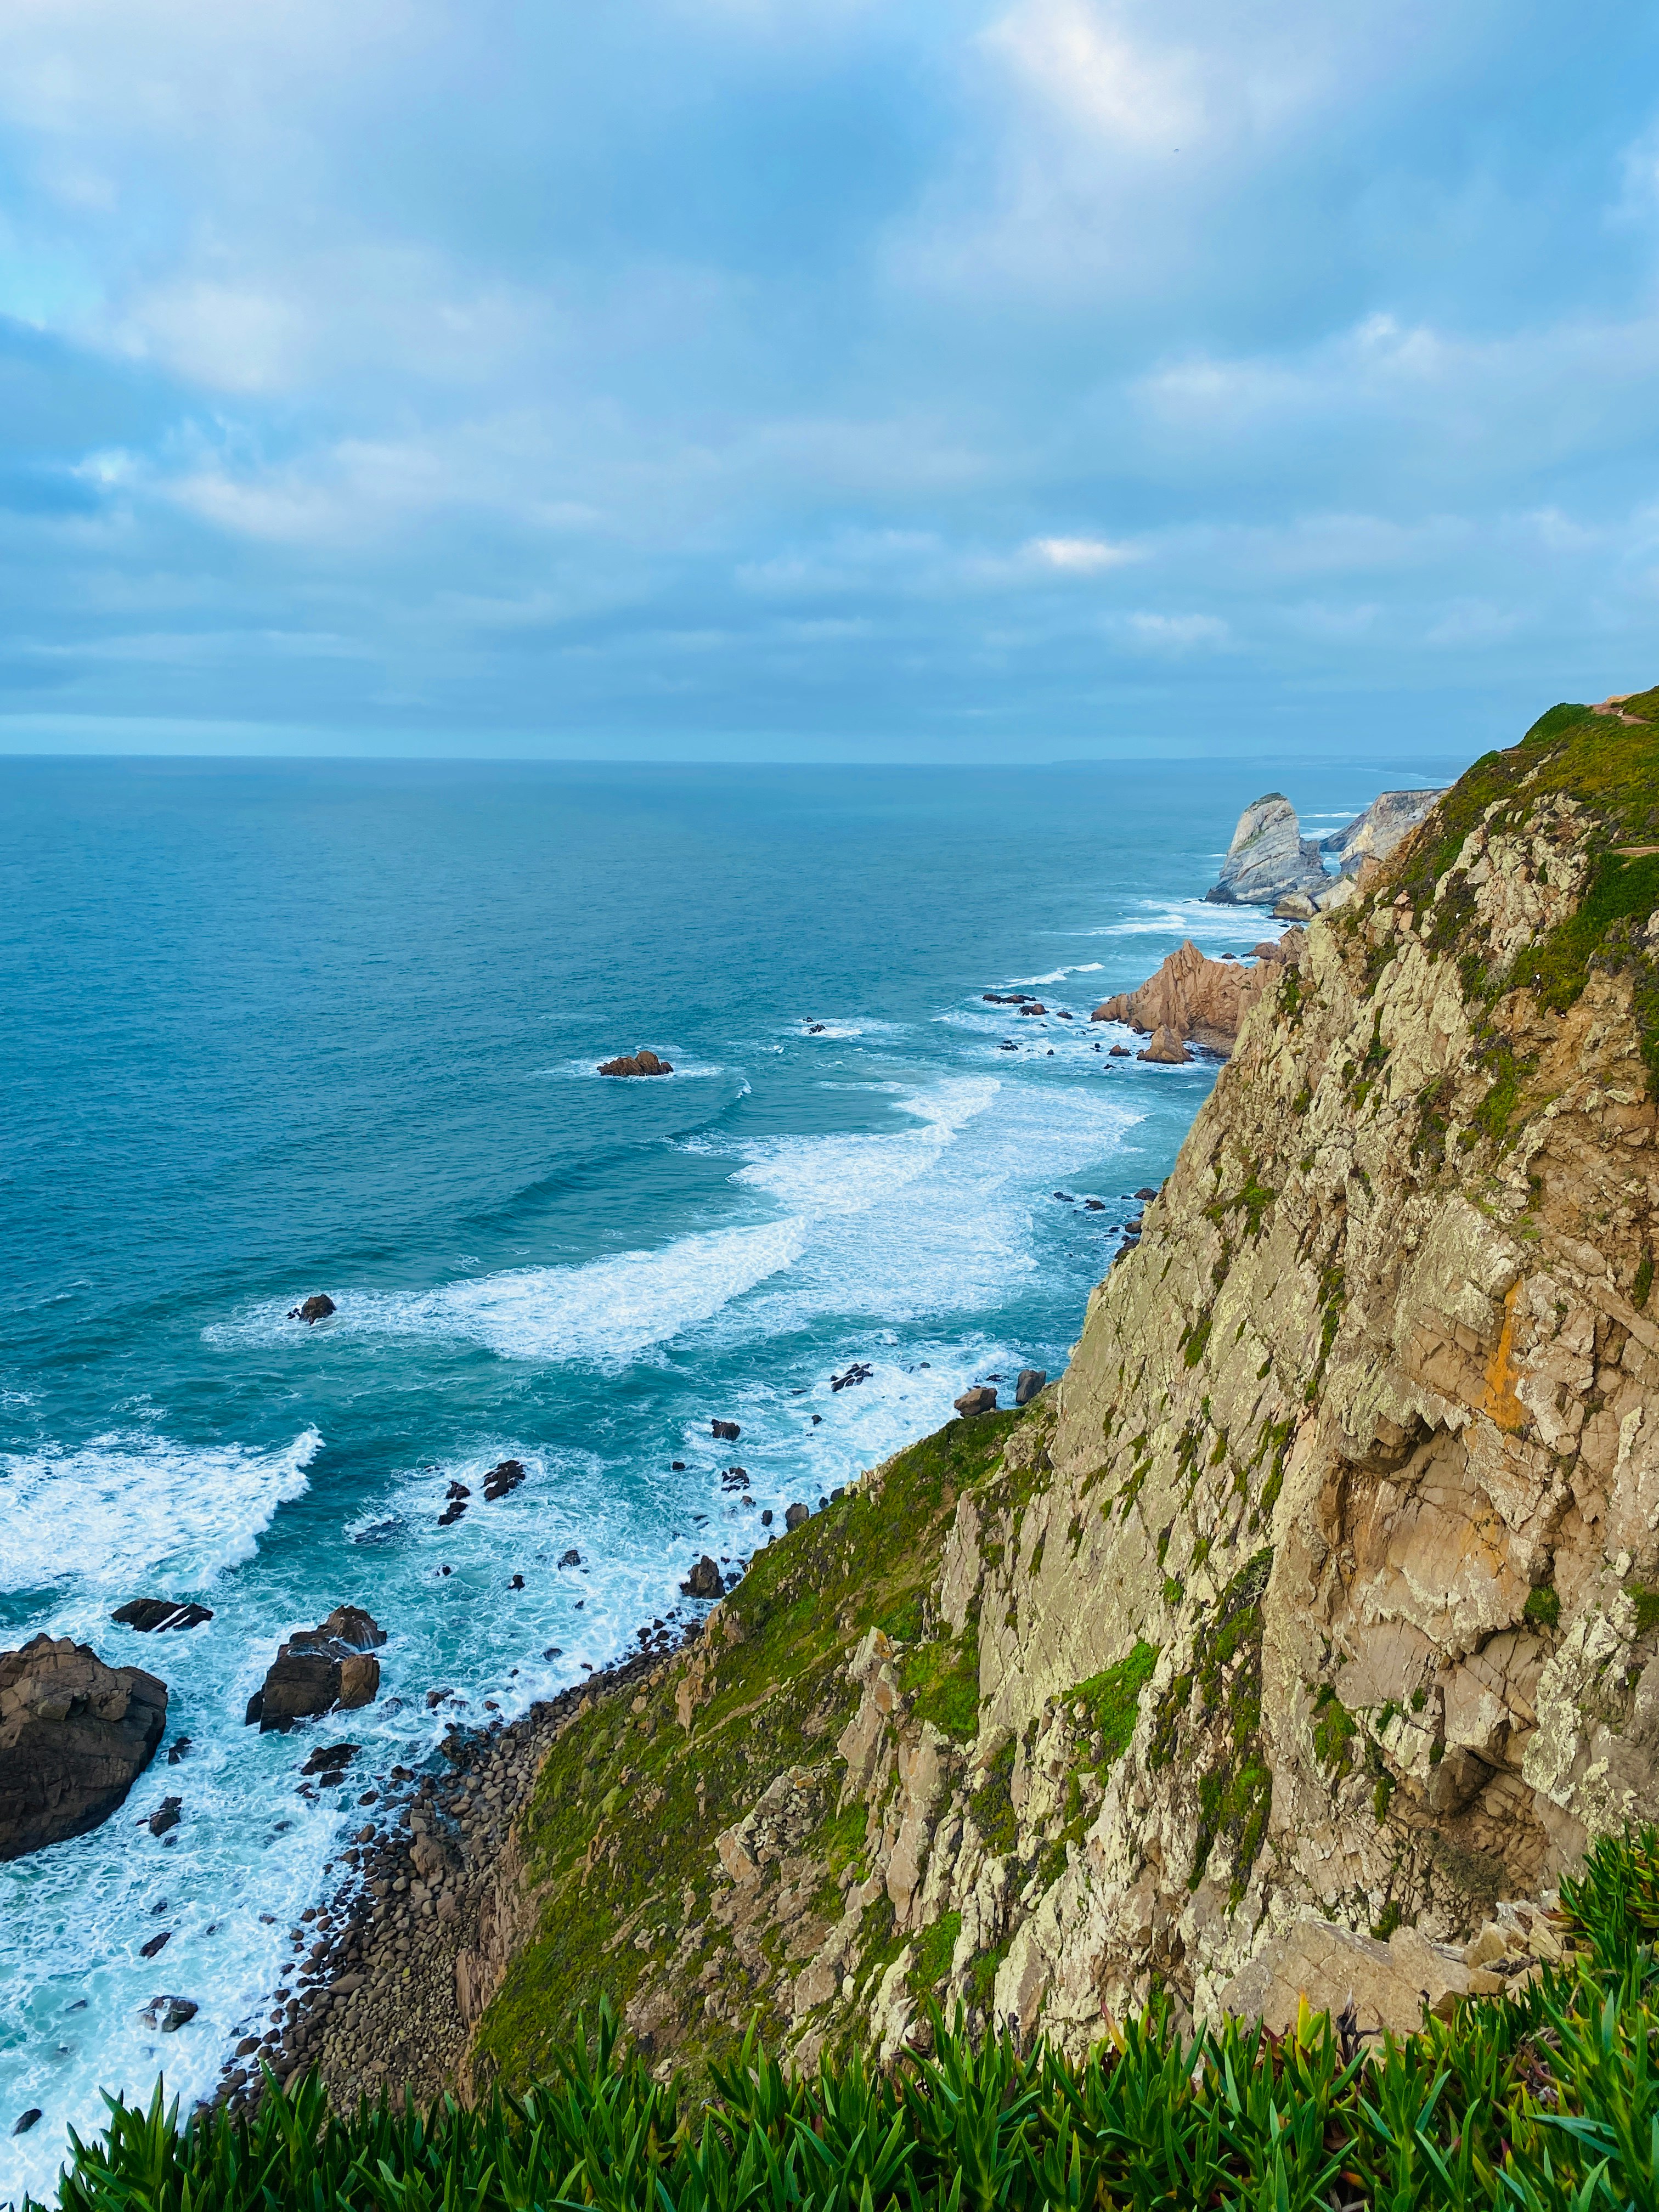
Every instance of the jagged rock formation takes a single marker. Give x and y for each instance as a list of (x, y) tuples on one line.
[(1323, 1591), (75, 1735), (1374, 834), (1199, 998), (319, 1670), (1268, 858)]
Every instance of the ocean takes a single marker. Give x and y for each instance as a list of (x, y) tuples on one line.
[(278, 1029)]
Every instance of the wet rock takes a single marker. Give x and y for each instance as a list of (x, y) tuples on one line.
[(1031, 1380), (859, 1372), (1034, 1007), (155, 1945), (517, 1582), (314, 1309), (169, 2014), (573, 1558), (502, 1480), (75, 1735), (27, 2120), (727, 1431), (981, 1400), (1119, 1052), (330, 1757), (1094, 1205), (766, 1518), (1166, 1050), (795, 1516), (457, 1490), (704, 1579), (1146, 1192), (638, 1063), (165, 1816), (156, 1615), (451, 1513), (319, 1669), (176, 1749)]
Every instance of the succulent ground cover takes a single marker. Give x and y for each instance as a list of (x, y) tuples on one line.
[(1544, 2101)]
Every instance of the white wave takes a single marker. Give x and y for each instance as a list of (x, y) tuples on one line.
[(1059, 974), (122, 1505), (1196, 917), (580, 1071)]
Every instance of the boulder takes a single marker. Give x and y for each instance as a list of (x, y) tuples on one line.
[(165, 1816), (75, 1735), (27, 2120), (981, 1400), (153, 1615), (1268, 857), (728, 1432), (1198, 997), (315, 1308), (796, 1517), (1032, 1379), (168, 2014), (1166, 1048), (1388, 1984), (573, 1558), (637, 1063), (332, 1665), (704, 1579)]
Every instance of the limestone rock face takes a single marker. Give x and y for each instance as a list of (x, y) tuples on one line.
[(75, 1735), (1316, 1608), (1374, 834), (1268, 857)]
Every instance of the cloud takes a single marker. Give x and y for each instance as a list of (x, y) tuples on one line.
[(1080, 556)]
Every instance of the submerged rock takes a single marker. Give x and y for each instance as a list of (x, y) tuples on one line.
[(155, 1615), (75, 1735), (332, 1665)]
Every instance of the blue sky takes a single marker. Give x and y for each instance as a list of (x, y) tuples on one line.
[(829, 380)]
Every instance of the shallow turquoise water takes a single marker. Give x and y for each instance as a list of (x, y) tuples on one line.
[(276, 1029)]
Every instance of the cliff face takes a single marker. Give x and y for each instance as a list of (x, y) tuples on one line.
[(1199, 998), (1323, 1584)]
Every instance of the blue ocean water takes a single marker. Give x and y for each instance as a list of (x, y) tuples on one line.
[(273, 1029)]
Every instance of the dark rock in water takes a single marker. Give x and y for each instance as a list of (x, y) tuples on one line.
[(638, 1063), (168, 2014), (554, 1651), (728, 1432), (1094, 1205), (677, 1465), (150, 1614), (315, 1308), (457, 1490), (320, 1668), (980, 1400), (156, 1944), (1146, 1192), (704, 1579), (859, 1372), (165, 1816), (766, 1518), (1119, 1052), (330, 1755), (176, 1749), (795, 1516), (1031, 1381), (573, 1558), (451, 1513), (517, 1582), (75, 1735), (27, 2120), (504, 1478)]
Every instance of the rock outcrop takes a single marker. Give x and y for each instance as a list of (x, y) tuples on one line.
[(157, 1616), (1313, 1613), (314, 1309), (637, 1063), (1165, 1047), (1268, 857), (320, 1670), (75, 1735), (1374, 834), (1199, 998)]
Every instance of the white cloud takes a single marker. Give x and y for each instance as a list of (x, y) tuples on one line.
[(1178, 634), (1080, 556)]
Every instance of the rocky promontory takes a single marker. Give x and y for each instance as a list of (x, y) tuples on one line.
[(1270, 863), (75, 1735), (1197, 998)]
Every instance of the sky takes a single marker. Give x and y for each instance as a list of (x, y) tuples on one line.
[(824, 379)]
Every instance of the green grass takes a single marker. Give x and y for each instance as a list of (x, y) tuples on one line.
[(1112, 1700), (1544, 2101)]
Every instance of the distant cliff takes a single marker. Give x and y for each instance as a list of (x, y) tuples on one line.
[(1321, 1594)]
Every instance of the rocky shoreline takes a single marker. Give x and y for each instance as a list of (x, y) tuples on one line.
[(390, 1973)]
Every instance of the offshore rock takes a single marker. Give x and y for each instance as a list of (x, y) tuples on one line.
[(154, 1615), (1199, 998), (321, 1669), (1374, 834), (317, 1307), (1268, 857), (75, 1735), (1166, 1048), (638, 1063)]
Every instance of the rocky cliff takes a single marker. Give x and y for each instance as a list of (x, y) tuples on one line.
[(1321, 1588), (1199, 998)]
